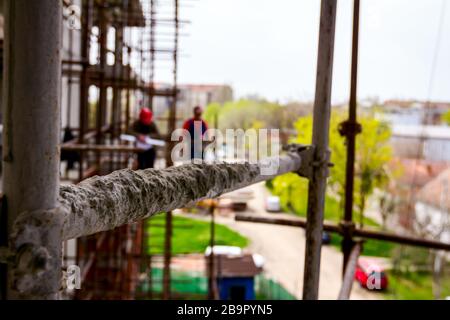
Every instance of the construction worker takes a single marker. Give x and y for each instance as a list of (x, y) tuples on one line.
[(196, 127), (142, 128)]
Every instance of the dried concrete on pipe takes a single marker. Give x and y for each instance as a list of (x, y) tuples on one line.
[(125, 196)]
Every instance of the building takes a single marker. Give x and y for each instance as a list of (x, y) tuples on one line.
[(235, 272), (413, 112), (428, 142), (433, 208), (203, 94), (414, 175), (107, 76), (417, 129), (191, 95)]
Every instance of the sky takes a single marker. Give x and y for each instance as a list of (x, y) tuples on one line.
[(269, 48)]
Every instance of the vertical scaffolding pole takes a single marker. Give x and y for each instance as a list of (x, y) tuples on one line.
[(129, 43), (167, 256), (321, 124), (350, 129), (102, 99), (146, 236), (151, 87), (211, 272), (31, 154), (171, 128), (84, 87), (118, 84)]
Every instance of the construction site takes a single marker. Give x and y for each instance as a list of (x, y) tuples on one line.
[(82, 218)]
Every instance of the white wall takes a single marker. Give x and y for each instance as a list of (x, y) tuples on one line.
[(434, 219)]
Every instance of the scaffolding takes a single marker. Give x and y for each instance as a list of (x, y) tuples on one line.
[(103, 213), (121, 45)]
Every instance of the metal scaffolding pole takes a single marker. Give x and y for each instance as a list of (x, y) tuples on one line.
[(349, 274), (320, 162), (171, 128), (350, 129), (362, 233), (212, 281), (31, 156)]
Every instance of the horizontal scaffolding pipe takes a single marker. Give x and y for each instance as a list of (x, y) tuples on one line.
[(363, 233), (100, 148), (125, 196)]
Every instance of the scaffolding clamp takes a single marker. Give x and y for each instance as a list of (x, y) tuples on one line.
[(308, 164), (306, 153), (348, 127), (347, 228)]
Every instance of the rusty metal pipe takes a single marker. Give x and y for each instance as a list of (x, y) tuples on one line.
[(350, 129), (363, 233), (31, 155), (349, 273), (321, 124), (101, 148)]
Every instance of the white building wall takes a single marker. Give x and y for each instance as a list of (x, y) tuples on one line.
[(436, 222), (75, 55), (429, 142)]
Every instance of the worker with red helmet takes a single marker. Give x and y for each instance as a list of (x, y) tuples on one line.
[(142, 128)]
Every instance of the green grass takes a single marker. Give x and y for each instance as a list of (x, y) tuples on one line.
[(413, 286), (190, 235), (333, 212), (371, 247)]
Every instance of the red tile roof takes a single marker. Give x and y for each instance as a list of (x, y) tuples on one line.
[(235, 266), (416, 172)]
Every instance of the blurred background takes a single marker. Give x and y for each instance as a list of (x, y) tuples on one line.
[(252, 65)]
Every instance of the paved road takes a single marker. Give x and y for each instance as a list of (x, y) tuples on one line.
[(284, 249)]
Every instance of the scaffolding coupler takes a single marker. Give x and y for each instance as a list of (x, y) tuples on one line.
[(348, 128), (308, 163)]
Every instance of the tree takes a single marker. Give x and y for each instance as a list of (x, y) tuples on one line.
[(387, 205), (212, 113), (372, 156), (245, 114), (446, 117), (373, 152)]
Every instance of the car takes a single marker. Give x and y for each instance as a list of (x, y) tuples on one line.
[(370, 275), (326, 237), (273, 204)]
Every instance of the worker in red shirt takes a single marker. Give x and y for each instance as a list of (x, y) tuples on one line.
[(196, 127)]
